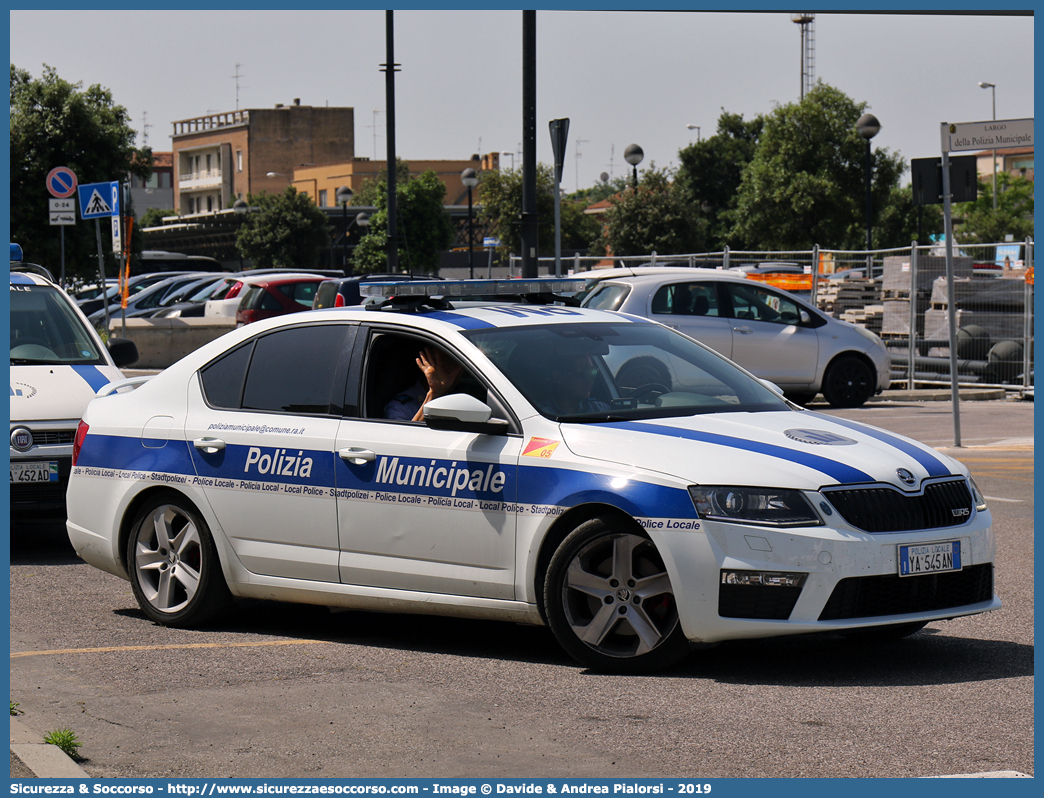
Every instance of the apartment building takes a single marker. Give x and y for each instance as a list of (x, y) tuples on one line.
[(218, 158)]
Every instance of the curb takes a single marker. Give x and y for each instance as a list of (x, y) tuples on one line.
[(44, 760)]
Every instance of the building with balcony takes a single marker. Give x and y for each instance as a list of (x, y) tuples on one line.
[(221, 157), (1015, 161)]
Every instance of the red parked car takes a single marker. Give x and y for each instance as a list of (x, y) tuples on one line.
[(275, 296)]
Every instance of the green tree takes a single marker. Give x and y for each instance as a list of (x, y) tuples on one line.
[(283, 230), (500, 198), (711, 170), (980, 224), (900, 222), (58, 123), (655, 217), (424, 228), (153, 217), (806, 182), (600, 191), (376, 187)]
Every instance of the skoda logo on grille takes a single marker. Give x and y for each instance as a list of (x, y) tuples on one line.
[(21, 439), (818, 436), (905, 476)]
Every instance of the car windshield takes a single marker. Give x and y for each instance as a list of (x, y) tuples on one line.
[(45, 329), (607, 371)]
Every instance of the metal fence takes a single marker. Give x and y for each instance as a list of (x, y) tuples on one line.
[(899, 294)]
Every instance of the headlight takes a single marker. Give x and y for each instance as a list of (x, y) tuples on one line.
[(762, 506), (980, 500)]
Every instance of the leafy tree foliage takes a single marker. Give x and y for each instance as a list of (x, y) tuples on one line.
[(806, 182), (424, 227), (711, 171), (654, 217), (600, 191), (980, 224), (376, 187), (58, 123), (500, 201), (153, 217), (283, 230)]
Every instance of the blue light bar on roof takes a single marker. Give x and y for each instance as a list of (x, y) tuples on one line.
[(16, 252), (451, 288)]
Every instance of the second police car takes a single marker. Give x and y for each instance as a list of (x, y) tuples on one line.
[(562, 479)]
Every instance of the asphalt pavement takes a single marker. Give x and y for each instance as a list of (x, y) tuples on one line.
[(31, 757)]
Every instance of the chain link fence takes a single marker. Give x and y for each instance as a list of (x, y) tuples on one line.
[(899, 294)]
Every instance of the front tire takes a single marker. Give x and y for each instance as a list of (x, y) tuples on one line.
[(173, 564), (609, 600), (849, 382)]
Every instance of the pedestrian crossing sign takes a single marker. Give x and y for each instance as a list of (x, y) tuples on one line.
[(96, 199)]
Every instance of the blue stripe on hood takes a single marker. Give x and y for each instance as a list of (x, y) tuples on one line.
[(93, 376), (934, 466), (844, 474)]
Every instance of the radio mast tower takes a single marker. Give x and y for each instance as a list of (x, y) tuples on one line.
[(807, 21)]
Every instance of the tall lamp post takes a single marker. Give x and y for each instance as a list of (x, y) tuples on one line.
[(633, 155), (993, 89), (867, 127), (470, 179), (697, 129), (343, 196)]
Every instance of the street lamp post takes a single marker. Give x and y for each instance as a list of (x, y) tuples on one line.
[(343, 196), (633, 155), (867, 126), (505, 152), (697, 129), (470, 179), (993, 90)]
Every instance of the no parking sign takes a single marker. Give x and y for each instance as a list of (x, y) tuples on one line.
[(61, 182)]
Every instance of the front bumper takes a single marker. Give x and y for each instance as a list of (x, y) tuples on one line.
[(850, 578)]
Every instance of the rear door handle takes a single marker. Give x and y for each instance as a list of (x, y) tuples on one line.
[(209, 445), (357, 456)]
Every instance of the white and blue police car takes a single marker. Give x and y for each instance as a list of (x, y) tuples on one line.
[(58, 363), (596, 472)]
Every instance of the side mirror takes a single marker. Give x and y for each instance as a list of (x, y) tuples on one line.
[(805, 318), (461, 412), (124, 351)]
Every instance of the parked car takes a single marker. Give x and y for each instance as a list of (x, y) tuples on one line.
[(552, 485), (341, 291), (225, 301), (275, 295), (135, 283), (771, 333), (58, 363), (191, 304), (144, 301)]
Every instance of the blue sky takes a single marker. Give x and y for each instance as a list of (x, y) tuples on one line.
[(621, 77)]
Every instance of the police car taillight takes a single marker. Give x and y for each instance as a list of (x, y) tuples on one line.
[(339, 301), (81, 433)]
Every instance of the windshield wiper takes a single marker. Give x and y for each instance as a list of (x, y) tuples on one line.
[(23, 361)]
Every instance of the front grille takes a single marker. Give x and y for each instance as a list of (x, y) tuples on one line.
[(762, 602), (871, 596), (57, 437), (886, 509)]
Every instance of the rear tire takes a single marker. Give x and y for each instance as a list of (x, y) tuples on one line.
[(173, 564), (849, 382), (609, 600)]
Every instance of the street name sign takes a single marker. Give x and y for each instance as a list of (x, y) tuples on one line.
[(994, 135)]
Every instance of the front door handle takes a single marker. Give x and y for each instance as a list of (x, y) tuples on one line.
[(357, 456), (209, 445), (743, 330)]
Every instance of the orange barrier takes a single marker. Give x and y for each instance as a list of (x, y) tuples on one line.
[(788, 282)]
